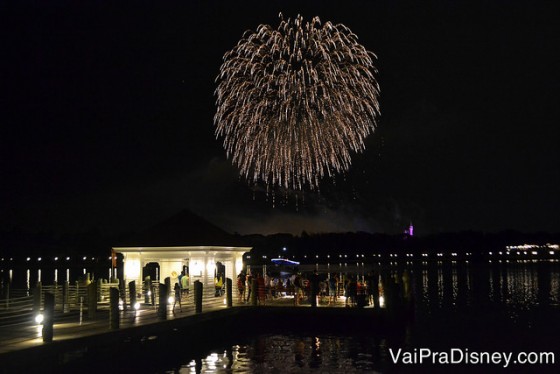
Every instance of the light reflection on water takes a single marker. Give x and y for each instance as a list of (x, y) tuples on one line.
[(292, 354), (523, 285), (518, 302)]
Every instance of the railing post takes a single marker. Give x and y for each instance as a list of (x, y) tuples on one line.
[(65, 297), (48, 318), (55, 292), (77, 291), (229, 293), (198, 296), (92, 300), (162, 309), (81, 309), (114, 317), (99, 294), (132, 294)]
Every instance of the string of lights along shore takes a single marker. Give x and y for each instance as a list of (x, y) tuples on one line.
[(294, 102)]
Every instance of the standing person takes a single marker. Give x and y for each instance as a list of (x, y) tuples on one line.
[(369, 288), (249, 286), (375, 290), (177, 290), (313, 288), (261, 289), (332, 289), (241, 287), (179, 279), (185, 283), (297, 288), (346, 291), (218, 285), (353, 290)]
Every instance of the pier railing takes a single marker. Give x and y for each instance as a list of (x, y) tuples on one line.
[(18, 305), (16, 309)]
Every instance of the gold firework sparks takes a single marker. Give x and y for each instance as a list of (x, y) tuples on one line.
[(294, 102)]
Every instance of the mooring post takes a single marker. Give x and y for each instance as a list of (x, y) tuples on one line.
[(254, 290), (114, 316), (132, 294), (162, 308), (48, 318), (167, 281), (92, 300), (229, 293), (198, 296)]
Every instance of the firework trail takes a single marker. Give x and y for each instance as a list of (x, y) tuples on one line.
[(294, 102)]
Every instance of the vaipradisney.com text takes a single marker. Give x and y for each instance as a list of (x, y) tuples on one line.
[(462, 356)]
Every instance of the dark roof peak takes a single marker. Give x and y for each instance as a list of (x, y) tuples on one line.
[(184, 229)]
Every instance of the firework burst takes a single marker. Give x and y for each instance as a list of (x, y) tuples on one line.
[(294, 102)]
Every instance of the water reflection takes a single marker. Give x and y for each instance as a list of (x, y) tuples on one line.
[(524, 285), (292, 353), (435, 285), (457, 304)]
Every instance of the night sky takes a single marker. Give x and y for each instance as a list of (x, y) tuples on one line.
[(107, 118)]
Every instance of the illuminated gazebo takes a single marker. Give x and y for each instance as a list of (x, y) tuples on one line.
[(184, 243), (199, 262)]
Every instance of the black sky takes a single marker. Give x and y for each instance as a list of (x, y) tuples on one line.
[(107, 117)]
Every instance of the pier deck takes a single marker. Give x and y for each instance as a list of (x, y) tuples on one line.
[(67, 326)]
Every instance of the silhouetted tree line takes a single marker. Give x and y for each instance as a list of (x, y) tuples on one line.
[(354, 244), (93, 243)]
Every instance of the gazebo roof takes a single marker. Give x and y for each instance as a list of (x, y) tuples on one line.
[(184, 229)]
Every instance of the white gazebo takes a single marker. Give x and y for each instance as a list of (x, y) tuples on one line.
[(185, 241), (200, 260)]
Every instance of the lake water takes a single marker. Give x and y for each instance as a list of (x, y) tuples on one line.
[(292, 354), (460, 307), (466, 311)]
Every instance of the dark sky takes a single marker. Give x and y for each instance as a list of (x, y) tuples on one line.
[(107, 118)]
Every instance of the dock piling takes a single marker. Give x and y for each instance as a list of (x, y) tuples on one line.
[(92, 300), (48, 318), (198, 296), (114, 317), (162, 308), (229, 292), (132, 294)]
